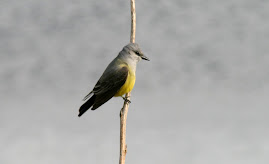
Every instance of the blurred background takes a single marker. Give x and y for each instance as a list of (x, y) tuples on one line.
[(202, 99)]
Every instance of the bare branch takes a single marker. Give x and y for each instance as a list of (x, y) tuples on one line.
[(124, 110)]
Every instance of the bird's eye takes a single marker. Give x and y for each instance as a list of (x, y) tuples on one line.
[(137, 53)]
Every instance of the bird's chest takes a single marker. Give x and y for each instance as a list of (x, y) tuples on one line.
[(128, 85)]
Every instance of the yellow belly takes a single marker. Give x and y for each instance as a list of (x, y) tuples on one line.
[(127, 86)]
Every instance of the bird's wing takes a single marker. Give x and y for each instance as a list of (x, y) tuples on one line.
[(87, 96), (108, 85)]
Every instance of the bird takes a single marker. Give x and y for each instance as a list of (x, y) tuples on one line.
[(117, 79)]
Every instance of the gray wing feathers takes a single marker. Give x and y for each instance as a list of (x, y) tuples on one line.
[(108, 85), (87, 96)]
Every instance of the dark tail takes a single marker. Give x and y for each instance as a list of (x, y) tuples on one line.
[(86, 105)]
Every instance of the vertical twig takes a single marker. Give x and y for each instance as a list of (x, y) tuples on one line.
[(124, 110), (133, 21)]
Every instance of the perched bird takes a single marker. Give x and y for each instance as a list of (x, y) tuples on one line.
[(117, 79)]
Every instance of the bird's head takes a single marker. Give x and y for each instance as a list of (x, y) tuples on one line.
[(135, 52)]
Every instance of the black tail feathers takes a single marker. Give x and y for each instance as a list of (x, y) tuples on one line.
[(86, 105)]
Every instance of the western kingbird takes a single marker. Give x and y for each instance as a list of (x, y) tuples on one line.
[(117, 79)]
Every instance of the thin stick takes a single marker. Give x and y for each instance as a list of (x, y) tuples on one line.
[(124, 110), (133, 21)]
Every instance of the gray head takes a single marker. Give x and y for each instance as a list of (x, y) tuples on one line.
[(134, 51)]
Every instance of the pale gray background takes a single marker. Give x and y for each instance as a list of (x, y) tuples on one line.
[(202, 99)]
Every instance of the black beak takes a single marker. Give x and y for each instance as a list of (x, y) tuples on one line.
[(144, 57)]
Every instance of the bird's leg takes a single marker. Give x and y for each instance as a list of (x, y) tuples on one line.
[(126, 99)]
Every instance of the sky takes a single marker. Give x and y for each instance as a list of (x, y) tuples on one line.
[(202, 99)]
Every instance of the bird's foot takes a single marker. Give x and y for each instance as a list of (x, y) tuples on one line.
[(126, 99)]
